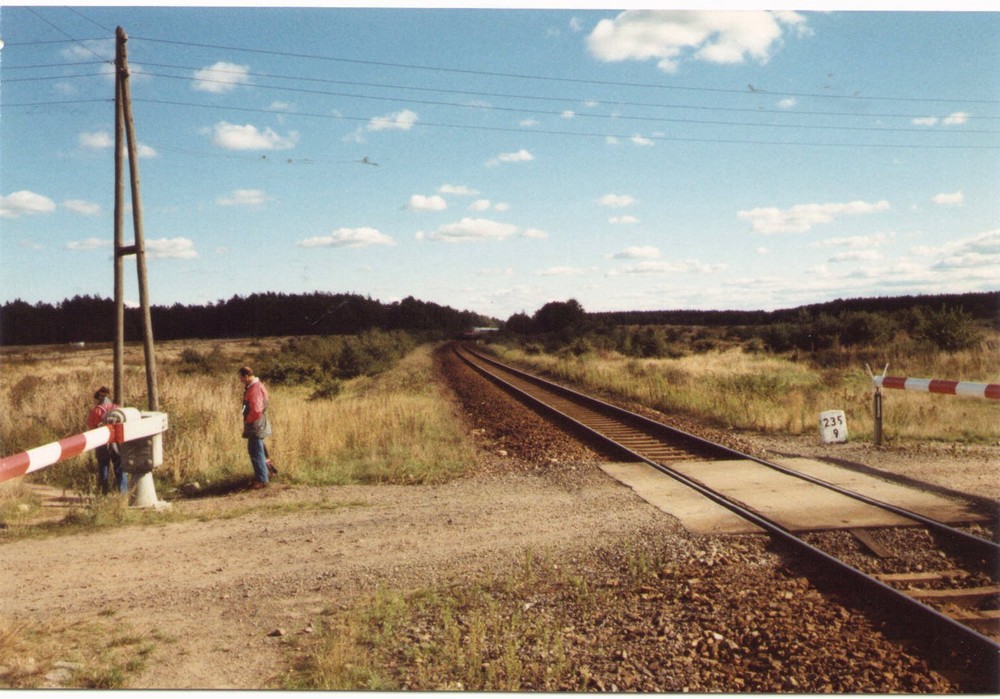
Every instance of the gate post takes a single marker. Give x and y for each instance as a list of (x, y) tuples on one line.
[(877, 403)]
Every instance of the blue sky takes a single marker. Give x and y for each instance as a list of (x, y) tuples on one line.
[(497, 159)]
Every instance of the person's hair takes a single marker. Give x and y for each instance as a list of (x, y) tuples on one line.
[(245, 371), (102, 393)]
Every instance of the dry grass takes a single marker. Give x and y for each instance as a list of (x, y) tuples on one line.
[(399, 427), (765, 393)]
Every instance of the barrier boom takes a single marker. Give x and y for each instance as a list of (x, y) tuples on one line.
[(54, 452), (959, 388)]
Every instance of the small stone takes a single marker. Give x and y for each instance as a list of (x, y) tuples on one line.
[(276, 633)]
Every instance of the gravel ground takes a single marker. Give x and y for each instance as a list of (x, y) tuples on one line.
[(726, 614)]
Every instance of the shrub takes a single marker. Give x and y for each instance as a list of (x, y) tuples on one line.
[(948, 329)]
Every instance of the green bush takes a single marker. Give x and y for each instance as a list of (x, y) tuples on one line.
[(326, 361), (948, 329)]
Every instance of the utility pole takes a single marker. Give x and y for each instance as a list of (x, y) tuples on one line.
[(124, 123)]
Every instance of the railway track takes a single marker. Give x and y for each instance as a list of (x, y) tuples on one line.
[(956, 609)]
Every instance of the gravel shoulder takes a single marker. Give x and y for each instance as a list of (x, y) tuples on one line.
[(214, 586)]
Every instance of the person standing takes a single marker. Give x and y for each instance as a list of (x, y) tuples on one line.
[(107, 454), (256, 426)]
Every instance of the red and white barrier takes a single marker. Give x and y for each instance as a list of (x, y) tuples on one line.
[(955, 388), (54, 452)]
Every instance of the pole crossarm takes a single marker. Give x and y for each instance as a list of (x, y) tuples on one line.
[(48, 454), (955, 388)]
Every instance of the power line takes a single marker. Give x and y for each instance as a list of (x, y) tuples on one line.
[(547, 98), (556, 132), (66, 34), (520, 110), (524, 76)]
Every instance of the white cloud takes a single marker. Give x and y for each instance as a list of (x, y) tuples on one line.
[(170, 248), (95, 140), (638, 140), (457, 189), (564, 272), (348, 238), (568, 114), (638, 252), (221, 77), (471, 229), (82, 207), (521, 156), (724, 37), (244, 197), (949, 198), (101, 140), (617, 201), (249, 137), (397, 121), (89, 50), (623, 220), (677, 267), (802, 217), (856, 256), (25, 203), (953, 119), (527, 123), (481, 205), (536, 233), (418, 202), (856, 241), (984, 247), (787, 103), (89, 244)]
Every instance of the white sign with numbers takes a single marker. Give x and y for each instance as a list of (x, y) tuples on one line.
[(833, 426)]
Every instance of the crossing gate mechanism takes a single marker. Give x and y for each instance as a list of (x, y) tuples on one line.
[(139, 434), (952, 388)]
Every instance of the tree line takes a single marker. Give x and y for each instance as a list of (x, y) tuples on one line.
[(91, 318), (947, 322)]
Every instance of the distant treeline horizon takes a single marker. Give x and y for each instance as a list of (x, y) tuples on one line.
[(980, 306), (91, 318)]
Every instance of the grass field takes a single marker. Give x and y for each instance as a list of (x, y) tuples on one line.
[(760, 392), (396, 427)]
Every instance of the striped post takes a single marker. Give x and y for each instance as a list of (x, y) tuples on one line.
[(954, 388), (46, 455), (903, 383)]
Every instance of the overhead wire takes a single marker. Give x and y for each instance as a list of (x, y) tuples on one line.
[(522, 110), (480, 127), (484, 73), (508, 96)]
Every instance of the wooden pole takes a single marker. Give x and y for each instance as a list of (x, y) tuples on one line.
[(140, 246), (119, 351)]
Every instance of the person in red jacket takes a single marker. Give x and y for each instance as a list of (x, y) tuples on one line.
[(256, 426), (107, 454)]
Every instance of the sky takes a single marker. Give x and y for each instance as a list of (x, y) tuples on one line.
[(495, 159)]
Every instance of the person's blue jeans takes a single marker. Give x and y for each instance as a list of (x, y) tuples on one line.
[(104, 462), (255, 446)]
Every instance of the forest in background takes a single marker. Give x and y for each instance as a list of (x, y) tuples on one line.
[(851, 321), (91, 319)]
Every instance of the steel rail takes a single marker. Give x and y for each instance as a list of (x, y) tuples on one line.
[(989, 550), (982, 651)]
